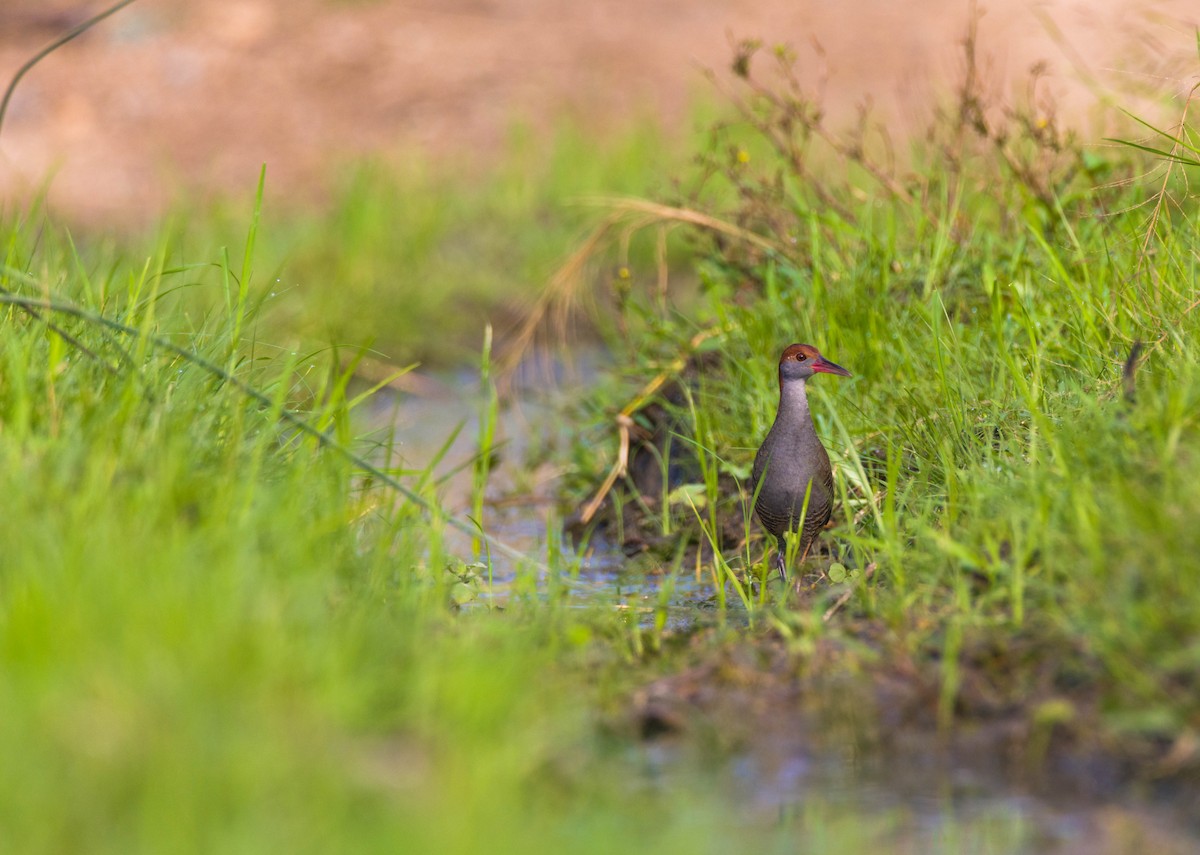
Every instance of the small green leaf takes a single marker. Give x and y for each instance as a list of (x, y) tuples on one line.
[(739, 471), (837, 573), (462, 593), (1054, 711), (691, 495)]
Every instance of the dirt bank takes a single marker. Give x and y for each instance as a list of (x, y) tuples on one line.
[(167, 96)]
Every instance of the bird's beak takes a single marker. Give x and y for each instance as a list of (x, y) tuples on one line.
[(823, 364)]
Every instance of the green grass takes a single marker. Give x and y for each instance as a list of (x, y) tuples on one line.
[(210, 639), (988, 462)]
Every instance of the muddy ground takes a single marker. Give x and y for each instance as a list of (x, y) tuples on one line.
[(168, 97)]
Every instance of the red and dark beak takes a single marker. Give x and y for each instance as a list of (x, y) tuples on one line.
[(821, 364)]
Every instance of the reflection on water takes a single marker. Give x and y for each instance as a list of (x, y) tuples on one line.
[(821, 793), (521, 498)]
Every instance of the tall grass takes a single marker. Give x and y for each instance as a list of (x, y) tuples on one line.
[(987, 293), (210, 638)]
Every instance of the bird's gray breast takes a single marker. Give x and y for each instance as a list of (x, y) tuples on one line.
[(784, 467)]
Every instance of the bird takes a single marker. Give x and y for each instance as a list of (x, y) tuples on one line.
[(792, 458)]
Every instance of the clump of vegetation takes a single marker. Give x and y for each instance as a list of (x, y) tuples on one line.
[(1018, 452), (214, 633)]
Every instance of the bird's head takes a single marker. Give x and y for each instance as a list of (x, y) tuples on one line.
[(801, 361)]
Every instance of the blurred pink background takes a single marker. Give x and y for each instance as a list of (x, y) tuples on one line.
[(167, 95)]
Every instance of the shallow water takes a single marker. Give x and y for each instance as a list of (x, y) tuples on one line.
[(944, 807), (520, 502)]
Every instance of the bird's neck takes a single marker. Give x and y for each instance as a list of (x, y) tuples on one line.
[(793, 402)]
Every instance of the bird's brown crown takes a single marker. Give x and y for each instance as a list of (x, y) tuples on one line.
[(799, 353)]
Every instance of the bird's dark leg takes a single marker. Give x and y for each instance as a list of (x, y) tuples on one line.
[(781, 559)]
